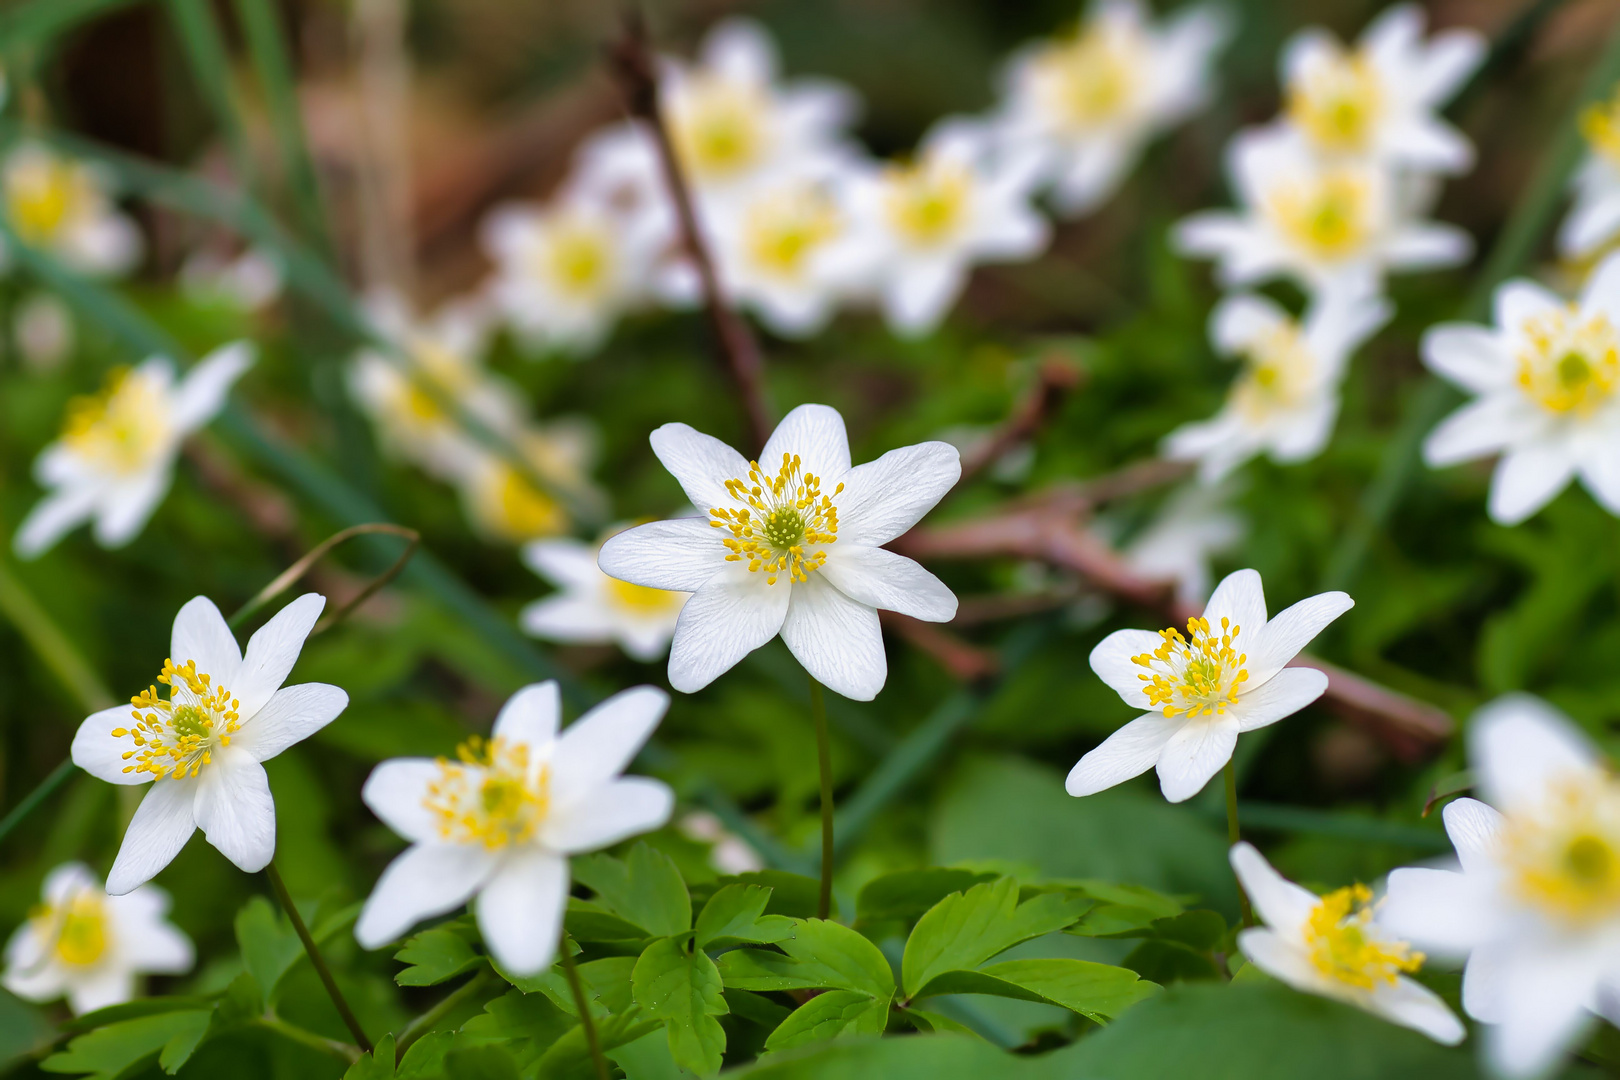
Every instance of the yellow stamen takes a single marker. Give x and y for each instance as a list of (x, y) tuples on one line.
[(1338, 103), (1330, 215), (1342, 946), (928, 201), (490, 795), (1569, 363), (1200, 674), (782, 519)]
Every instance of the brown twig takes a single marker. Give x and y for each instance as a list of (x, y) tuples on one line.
[(965, 662), (1058, 376), (637, 69)]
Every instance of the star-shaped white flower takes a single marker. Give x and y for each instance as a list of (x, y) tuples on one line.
[(1328, 224), (1594, 220), (1093, 98), (792, 545), (593, 608), (1285, 401), (90, 947), (200, 742), (1535, 907), (62, 207), (1195, 523), (500, 821), (1379, 102), (1336, 946), (1227, 675), (115, 459), (1545, 377)]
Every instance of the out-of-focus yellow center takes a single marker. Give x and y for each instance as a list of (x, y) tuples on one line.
[(1338, 103), (1563, 856), (1339, 937), (1329, 215), (1094, 76), (928, 201), (1570, 362), (44, 194), (642, 600), (1278, 373), (1600, 124), (122, 428), (784, 229), (578, 259), (489, 795), (720, 127)]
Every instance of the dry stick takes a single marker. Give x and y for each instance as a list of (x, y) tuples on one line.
[(636, 67), (316, 959), (1059, 376), (287, 577)]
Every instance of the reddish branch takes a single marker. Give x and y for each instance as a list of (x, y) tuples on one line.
[(1058, 377), (966, 662), (637, 69)]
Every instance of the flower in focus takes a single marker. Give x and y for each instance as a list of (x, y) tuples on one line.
[(1535, 907), (592, 608), (1329, 224), (1545, 377), (500, 821), (1379, 102), (1594, 220), (507, 504), (1093, 98), (1228, 674), (791, 546), (1194, 524), (90, 947), (115, 459), (1336, 946), (61, 207), (199, 743), (1286, 399)]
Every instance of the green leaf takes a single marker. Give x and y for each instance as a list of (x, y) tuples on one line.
[(516, 1015), (480, 1063), (1097, 991), (435, 956), (937, 1057), (933, 1023), (755, 1007), (646, 889), (586, 921), (609, 979), (1134, 896), (819, 955), (964, 930), (678, 984), (23, 1028), (1166, 962), (377, 1065), (835, 1014), (108, 1051), (904, 896), (570, 1059), (425, 1058), (269, 944), (793, 895), (736, 916)]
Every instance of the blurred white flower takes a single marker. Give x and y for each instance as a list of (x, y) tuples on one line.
[(1329, 224), (1091, 99), (1379, 102), (1594, 220), (1195, 523), (43, 328), (1545, 377), (790, 548), (250, 281), (1286, 399), (505, 503), (201, 746), (1229, 674), (1535, 908), (90, 947), (728, 853), (1336, 946), (499, 822), (592, 608), (62, 207), (115, 459)]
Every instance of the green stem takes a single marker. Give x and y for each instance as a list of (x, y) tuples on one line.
[(316, 959), (818, 710), (46, 638), (586, 1024), (451, 1001), (1233, 835), (31, 802), (308, 1038)]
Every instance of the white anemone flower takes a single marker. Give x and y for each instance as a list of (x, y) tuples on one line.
[(82, 944), (592, 608), (1227, 675), (1337, 947), (1330, 224), (500, 821), (1535, 907), (1286, 400), (115, 459), (1195, 523), (792, 545), (1594, 220), (506, 504), (62, 207), (1093, 98), (200, 745), (1545, 377), (921, 226), (1379, 101)]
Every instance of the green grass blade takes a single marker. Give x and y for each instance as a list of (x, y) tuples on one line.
[(56, 649), (211, 71), (40, 21)]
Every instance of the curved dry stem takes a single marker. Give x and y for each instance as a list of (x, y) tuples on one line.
[(297, 570)]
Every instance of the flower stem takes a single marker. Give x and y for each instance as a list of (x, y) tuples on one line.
[(31, 802), (818, 710), (72, 670), (316, 959), (586, 1024), (1233, 836)]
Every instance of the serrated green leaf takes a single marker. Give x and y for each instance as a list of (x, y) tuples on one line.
[(755, 1007), (108, 1051), (904, 896), (130, 1010), (1097, 991), (434, 956), (646, 889), (793, 895), (425, 1057), (377, 1065), (964, 930), (269, 944), (516, 1015), (570, 1059), (609, 980), (586, 921), (1114, 920), (835, 1014), (1161, 906), (736, 916), (819, 955), (480, 1063), (678, 983)]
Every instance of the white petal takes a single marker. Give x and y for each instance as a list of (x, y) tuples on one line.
[(1520, 747), (531, 715), (612, 812), (1543, 999), (147, 941), (520, 911), (1195, 753), (1489, 967), (836, 639), (1280, 903), (564, 563), (920, 293), (1451, 58), (701, 463), (66, 881), (234, 809), (816, 434), (273, 650), (1113, 662), (200, 634), (1428, 246), (1518, 301), (160, 828), (202, 391), (1592, 222), (739, 48), (108, 986), (1240, 598), (734, 613), (1439, 911), (53, 517), (570, 619), (881, 579), (1285, 634), (1238, 321), (1527, 478), (884, 498), (127, 508), (293, 714), (1282, 959), (427, 880), (396, 791), (1414, 1005), (681, 554), (1280, 696), (102, 756), (1480, 428), (1470, 356), (1474, 829), (597, 747), (1128, 752), (1602, 289)]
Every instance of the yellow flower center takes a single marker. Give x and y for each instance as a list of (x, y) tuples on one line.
[(783, 524), (489, 795), (1600, 124), (436, 373), (579, 260), (1330, 215), (1564, 856), (1093, 77), (927, 202), (42, 196), (177, 736), (641, 599), (1342, 946), (514, 508), (122, 428), (1278, 372), (79, 928), (1338, 103), (720, 127), (1569, 364), (784, 229), (1197, 674)]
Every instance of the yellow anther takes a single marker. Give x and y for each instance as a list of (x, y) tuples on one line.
[(1194, 675), (1344, 948), (488, 795), (1570, 362), (794, 517)]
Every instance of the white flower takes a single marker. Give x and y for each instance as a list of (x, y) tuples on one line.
[(501, 820), (201, 746), (504, 503), (1194, 524), (1379, 102), (1545, 377), (592, 608), (1229, 674), (90, 947), (1286, 399), (1594, 220), (1329, 224), (1336, 946), (43, 328), (792, 547), (250, 281), (61, 207), (923, 225), (728, 853), (115, 459), (1093, 98), (1535, 907)]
